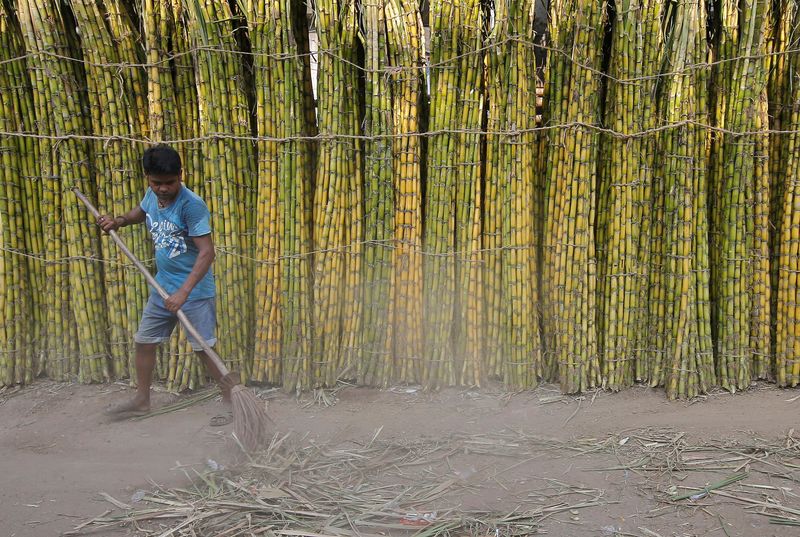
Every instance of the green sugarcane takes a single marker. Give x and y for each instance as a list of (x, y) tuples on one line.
[(226, 169), (568, 242), (623, 184), (337, 198), (376, 362), (683, 353), (787, 366), (78, 320), (19, 231)]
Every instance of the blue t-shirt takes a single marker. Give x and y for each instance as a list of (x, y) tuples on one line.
[(172, 229)]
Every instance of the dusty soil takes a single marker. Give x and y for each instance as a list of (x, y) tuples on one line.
[(60, 453)]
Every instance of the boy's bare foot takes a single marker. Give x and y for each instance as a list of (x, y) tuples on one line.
[(138, 406)]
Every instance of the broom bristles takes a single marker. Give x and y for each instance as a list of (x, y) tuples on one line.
[(250, 419)]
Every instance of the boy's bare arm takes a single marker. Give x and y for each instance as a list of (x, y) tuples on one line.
[(111, 223)]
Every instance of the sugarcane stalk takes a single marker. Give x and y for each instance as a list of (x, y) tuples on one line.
[(741, 208), (377, 340), (568, 272), (337, 200)]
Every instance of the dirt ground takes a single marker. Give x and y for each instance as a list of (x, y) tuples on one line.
[(61, 455)]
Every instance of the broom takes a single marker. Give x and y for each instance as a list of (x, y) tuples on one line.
[(249, 415)]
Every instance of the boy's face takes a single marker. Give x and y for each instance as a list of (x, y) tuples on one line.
[(165, 187)]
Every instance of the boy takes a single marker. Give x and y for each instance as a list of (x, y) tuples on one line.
[(179, 222)]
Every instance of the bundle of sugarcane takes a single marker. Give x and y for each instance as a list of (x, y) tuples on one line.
[(226, 171), (56, 358), (17, 327), (338, 218), (173, 110), (122, 24), (787, 341), (724, 30), (31, 189), (158, 27), (439, 283), (405, 36), (283, 325), (452, 273), (376, 367), (174, 114), (623, 225), (513, 340), (76, 311), (469, 323), (740, 205), (182, 56), (569, 276), (267, 359), (680, 336), (172, 102), (780, 115), (116, 99)]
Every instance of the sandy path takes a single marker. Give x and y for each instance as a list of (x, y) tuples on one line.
[(59, 452)]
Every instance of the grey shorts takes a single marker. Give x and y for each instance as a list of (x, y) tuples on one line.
[(158, 322)]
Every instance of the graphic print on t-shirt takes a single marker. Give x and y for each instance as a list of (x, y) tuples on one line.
[(173, 229), (167, 235)]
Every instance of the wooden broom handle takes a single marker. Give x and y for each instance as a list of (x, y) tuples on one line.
[(152, 281)]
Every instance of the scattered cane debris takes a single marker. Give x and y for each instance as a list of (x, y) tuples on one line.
[(393, 487)]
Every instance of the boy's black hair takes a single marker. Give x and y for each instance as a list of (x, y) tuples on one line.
[(161, 159)]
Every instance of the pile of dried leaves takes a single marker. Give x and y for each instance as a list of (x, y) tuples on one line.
[(297, 487)]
